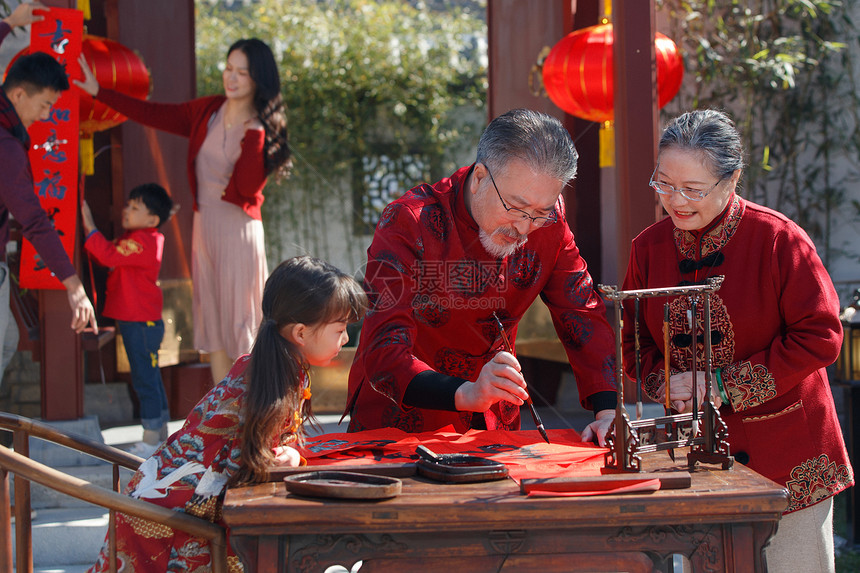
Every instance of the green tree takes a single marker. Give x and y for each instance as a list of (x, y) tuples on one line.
[(785, 70), (374, 90)]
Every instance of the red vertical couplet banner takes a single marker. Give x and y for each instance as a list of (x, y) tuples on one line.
[(54, 144)]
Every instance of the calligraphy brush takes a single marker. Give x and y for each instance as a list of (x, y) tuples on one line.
[(693, 328), (666, 353), (638, 360), (510, 349), (666, 366)]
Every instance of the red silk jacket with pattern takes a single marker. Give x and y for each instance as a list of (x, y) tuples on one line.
[(775, 328), (433, 289)]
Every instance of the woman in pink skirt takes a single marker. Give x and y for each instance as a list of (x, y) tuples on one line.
[(236, 141)]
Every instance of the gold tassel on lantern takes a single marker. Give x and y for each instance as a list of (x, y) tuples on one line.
[(84, 6), (607, 144), (607, 128), (87, 159)]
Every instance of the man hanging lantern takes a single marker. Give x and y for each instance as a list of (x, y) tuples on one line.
[(115, 67), (578, 75)]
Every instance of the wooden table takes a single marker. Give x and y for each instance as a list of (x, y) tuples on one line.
[(721, 523)]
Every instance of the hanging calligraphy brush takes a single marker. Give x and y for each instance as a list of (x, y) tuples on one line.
[(666, 358), (694, 367), (666, 367), (638, 359)]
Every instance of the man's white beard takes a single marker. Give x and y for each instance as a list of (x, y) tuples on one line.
[(501, 251)]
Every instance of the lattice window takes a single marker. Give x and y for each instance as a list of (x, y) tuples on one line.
[(384, 179)]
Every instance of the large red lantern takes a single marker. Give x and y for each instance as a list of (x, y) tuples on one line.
[(115, 67), (578, 72)]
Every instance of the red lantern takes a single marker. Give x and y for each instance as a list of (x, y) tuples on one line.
[(578, 72), (115, 67)]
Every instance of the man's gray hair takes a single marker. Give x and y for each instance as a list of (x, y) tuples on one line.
[(537, 139)]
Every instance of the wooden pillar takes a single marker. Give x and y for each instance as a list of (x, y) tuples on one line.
[(61, 368), (635, 120), (517, 31), (584, 196), (137, 156)]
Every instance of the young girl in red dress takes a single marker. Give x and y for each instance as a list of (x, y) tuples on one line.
[(247, 423)]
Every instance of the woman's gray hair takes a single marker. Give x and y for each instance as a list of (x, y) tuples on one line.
[(710, 131), (537, 139)]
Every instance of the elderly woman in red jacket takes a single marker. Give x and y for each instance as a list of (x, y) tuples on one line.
[(236, 141), (774, 328)]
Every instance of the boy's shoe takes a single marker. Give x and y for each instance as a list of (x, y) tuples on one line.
[(143, 450)]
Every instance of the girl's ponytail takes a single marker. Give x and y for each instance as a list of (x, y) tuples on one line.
[(301, 290), (267, 403)]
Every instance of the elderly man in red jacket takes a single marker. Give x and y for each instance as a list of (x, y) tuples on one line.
[(445, 258)]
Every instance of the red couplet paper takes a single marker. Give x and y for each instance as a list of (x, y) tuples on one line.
[(54, 144), (524, 453), (595, 488)]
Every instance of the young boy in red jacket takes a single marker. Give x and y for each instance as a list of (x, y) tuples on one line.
[(134, 299)]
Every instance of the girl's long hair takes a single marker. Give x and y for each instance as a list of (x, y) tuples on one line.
[(301, 290), (268, 103)]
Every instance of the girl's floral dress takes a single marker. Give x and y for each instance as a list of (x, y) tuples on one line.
[(189, 473)]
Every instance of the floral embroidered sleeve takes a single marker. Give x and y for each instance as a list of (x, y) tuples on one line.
[(206, 451), (812, 336), (188, 473)]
